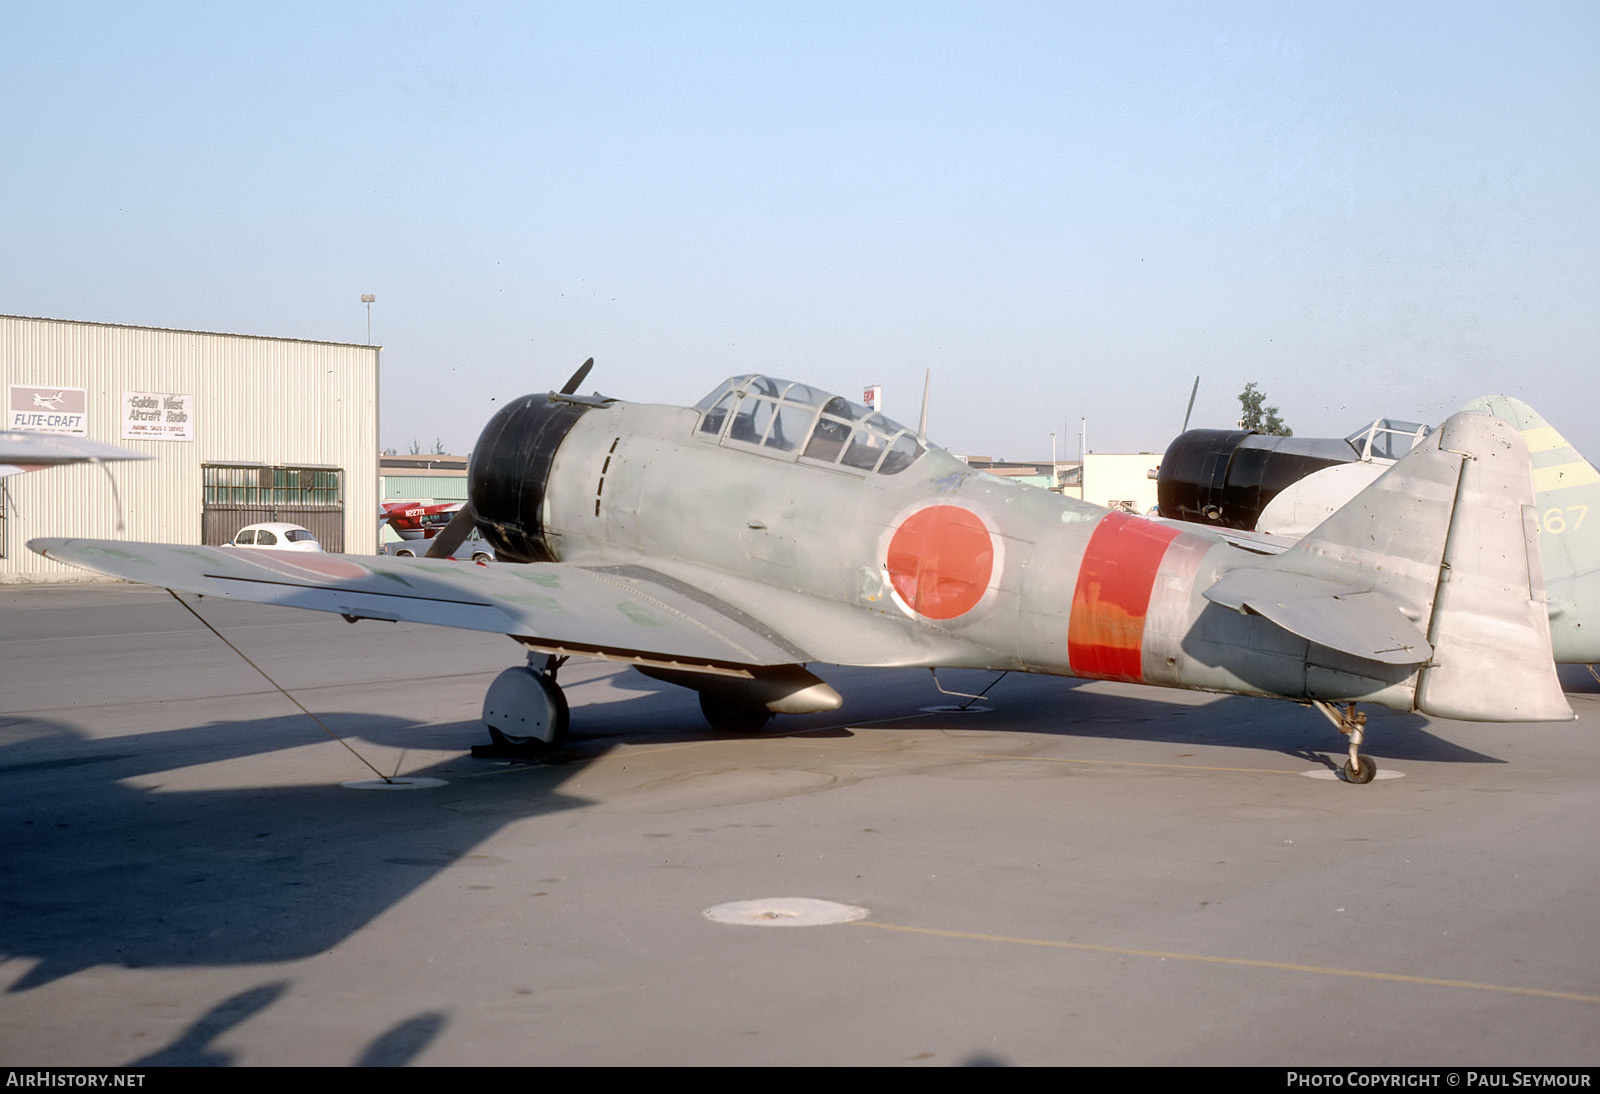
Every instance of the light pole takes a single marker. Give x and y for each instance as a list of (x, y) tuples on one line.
[(368, 299)]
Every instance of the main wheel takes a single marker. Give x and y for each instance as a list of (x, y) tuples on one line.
[(726, 717), (1363, 772), (526, 707)]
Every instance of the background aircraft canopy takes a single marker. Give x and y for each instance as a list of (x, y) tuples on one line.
[(785, 419), (1386, 439)]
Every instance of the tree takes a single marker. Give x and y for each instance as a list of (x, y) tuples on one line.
[(1261, 419), (416, 448)]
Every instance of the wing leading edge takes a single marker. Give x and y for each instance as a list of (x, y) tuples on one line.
[(625, 613)]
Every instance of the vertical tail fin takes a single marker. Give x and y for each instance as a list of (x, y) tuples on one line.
[(1448, 536), (1567, 495)]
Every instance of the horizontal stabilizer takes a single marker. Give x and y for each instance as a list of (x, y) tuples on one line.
[(1356, 621), (1254, 542)]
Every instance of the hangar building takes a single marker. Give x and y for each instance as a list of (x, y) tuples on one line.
[(242, 429)]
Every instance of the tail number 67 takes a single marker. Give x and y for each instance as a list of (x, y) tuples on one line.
[(1558, 520)]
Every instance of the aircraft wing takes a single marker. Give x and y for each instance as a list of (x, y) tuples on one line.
[(21, 451), (628, 613)]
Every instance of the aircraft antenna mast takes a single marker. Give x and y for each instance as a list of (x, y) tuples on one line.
[(922, 423)]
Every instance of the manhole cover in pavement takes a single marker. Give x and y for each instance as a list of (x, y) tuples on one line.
[(784, 911)]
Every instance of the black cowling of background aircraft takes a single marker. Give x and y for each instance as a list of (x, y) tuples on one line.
[(1226, 477)]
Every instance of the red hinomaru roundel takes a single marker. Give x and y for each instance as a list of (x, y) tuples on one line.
[(940, 561)]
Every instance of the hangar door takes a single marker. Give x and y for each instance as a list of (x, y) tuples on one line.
[(241, 494)]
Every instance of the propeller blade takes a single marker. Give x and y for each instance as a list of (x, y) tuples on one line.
[(571, 387), (1192, 393), (451, 535)]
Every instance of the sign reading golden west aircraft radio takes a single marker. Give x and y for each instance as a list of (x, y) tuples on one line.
[(157, 416), (773, 526)]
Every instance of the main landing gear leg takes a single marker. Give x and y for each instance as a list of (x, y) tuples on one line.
[(1352, 723), (525, 712)]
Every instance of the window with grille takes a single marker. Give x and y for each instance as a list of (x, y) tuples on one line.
[(275, 486)]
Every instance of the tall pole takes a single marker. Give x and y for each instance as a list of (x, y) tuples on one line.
[(367, 299)]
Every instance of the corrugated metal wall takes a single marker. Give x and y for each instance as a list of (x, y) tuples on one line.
[(257, 400), (440, 488)]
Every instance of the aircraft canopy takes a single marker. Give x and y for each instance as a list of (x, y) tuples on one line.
[(785, 419), (1387, 439)]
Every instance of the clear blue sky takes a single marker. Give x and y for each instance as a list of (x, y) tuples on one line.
[(1062, 209)]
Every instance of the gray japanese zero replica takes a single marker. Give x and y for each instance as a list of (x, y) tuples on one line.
[(727, 546)]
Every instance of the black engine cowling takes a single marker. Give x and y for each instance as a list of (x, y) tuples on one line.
[(1226, 477), (509, 474)]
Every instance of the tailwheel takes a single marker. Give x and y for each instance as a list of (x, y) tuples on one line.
[(525, 712), (726, 717), (1359, 768)]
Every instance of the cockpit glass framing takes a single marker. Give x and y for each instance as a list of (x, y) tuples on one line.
[(1386, 439), (797, 421)]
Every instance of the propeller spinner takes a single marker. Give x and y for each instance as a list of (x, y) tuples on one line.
[(460, 527)]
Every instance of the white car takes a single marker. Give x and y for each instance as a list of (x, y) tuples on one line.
[(275, 536)]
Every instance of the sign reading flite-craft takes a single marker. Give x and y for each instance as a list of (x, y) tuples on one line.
[(157, 416), (48, 409)]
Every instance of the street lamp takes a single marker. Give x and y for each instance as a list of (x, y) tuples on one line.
[(368, 299)]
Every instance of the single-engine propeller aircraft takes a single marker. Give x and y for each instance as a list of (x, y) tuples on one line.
[(1286, 486), (729, 545), (418, 519)]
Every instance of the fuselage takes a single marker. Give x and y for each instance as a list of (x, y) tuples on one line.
[(1024, 578)]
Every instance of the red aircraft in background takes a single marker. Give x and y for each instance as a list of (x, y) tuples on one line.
[(418, 520)]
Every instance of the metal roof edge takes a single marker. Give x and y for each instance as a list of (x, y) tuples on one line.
[(185, 330)]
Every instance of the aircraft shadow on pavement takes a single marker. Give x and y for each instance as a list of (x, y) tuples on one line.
[(1235, 721), (106, 866), (101, 872), (1068, 707)]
